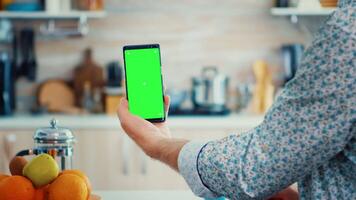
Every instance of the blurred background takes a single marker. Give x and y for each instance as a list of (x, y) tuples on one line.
[(223, 62)]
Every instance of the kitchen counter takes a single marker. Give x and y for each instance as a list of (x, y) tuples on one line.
[(147, 195), (112, 122)]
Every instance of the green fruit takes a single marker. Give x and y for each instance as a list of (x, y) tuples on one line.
[(41, 170)]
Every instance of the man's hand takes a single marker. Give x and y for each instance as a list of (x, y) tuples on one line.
[(153, 138)]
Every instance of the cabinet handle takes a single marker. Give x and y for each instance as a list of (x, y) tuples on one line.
[(125, 155), (143, 163), (9, 147)]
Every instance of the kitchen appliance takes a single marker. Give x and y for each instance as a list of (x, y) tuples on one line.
[(197, 112), (177, 98), (28, 64), (55, 141), (282, 3), (292, 55), (243, 96), (210, 91), (113, 91), (114, 74), (7, 85)]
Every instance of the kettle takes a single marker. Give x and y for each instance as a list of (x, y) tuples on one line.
[(292, 54), (210, 91), (55, 141)]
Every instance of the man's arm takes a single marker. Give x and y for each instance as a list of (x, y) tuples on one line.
[(169, 152), (309, 123)]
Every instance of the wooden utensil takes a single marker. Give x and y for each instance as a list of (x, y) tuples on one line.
[(87, 72), (264, 90)]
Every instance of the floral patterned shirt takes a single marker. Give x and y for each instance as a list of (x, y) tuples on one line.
[(308, 136)]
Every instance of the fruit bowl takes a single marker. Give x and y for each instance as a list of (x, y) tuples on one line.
[(41, 179)]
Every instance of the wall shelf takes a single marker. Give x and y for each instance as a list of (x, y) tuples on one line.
[(50, 28), (293, 13), (45, 15), (301, 12)]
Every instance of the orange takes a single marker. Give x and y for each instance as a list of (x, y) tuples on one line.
[(81, 175), (68, 187), (3, 176), (41, 193), (16, 188)]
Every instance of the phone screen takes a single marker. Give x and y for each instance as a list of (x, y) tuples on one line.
[(144, 87)]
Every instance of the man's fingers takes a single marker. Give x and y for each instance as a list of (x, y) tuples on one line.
[(167, 102), (130, 123), (123, 109)]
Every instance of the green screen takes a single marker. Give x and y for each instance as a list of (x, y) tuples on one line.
[(144, 82)]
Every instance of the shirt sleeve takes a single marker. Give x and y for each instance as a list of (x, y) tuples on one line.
[(187, 164), (309, 123)]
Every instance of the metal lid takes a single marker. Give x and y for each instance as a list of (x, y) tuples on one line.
[(53, 134)]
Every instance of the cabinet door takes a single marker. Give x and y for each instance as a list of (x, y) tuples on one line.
[(115, 162), (99, 154), (12, 142)]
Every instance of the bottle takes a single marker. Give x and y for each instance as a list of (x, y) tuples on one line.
[(97, 101), (87, 100), (6, 85)]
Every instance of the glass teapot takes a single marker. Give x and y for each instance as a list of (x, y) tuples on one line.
[(55, 141)]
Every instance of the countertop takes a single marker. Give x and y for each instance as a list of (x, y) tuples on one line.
[(147, 195), (112, 122)]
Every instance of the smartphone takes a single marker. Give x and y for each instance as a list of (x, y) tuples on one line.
[(144, 84)]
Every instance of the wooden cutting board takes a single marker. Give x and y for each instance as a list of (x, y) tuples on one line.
[(87, 72), (56, 96)]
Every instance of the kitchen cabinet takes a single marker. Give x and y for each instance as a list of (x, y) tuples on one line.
[(109, 157), (114, 162)]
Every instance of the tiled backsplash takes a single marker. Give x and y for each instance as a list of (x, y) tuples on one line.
[(229, 34)]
